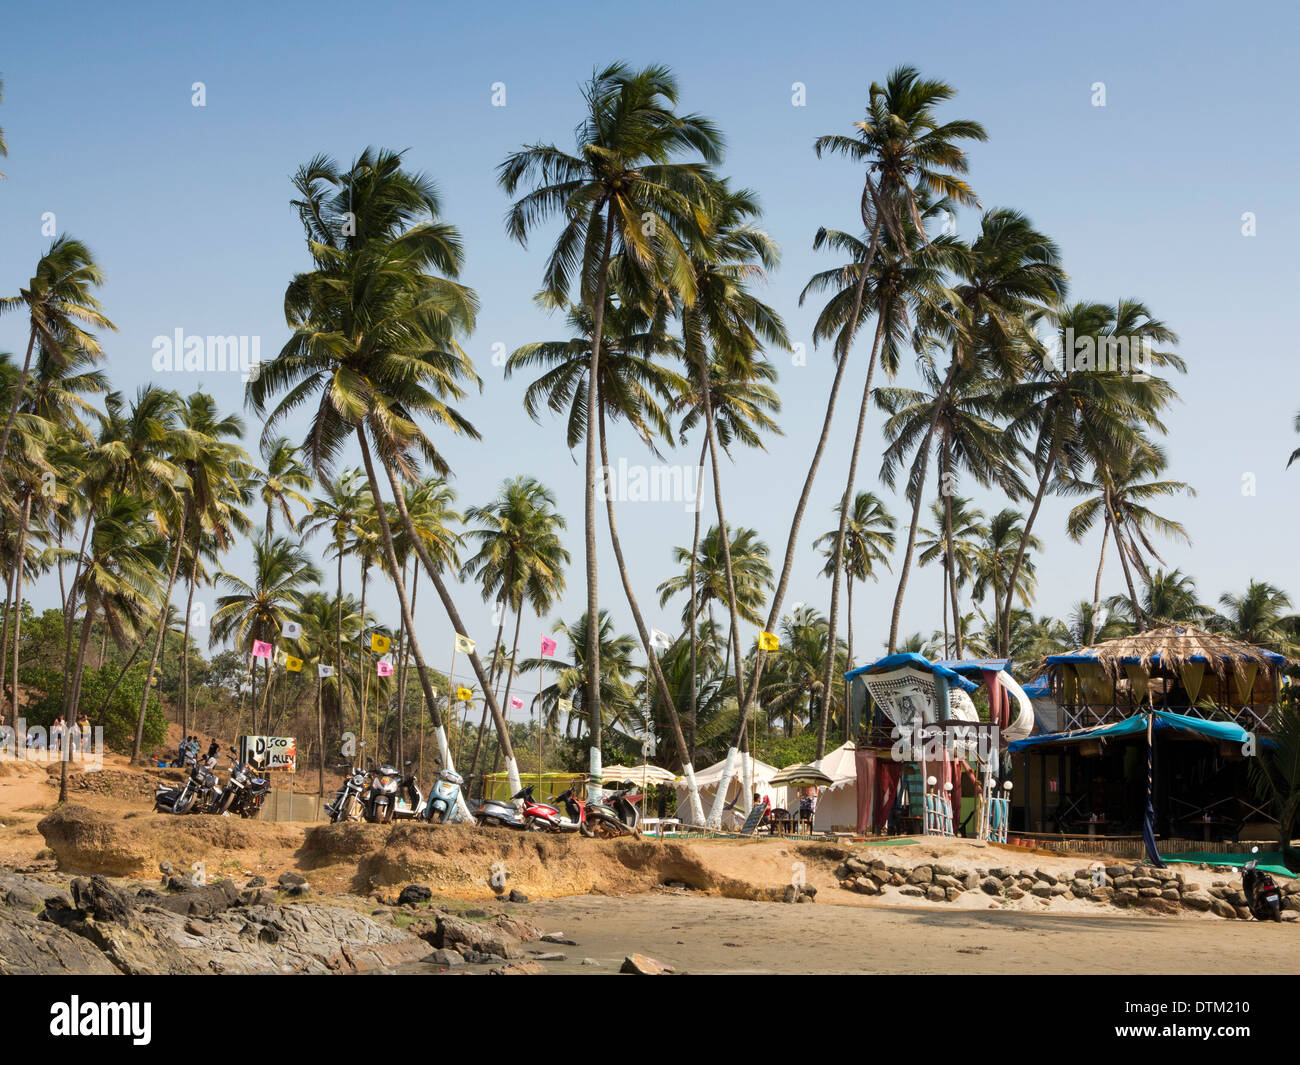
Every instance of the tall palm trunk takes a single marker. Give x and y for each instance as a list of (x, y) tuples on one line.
[(589, 504), (162, 635), (75, 689), (792, 539), (19, 391), (4, 640), (390, 557), (848, 624), (837, 559), (20, 556), (363, 649), (320, 731), (652, 659), (185, 657), (338, 634), (453, 615), (1004, 633), (945, 488), (510, 677), (1096, 587), (494, 668), (401, 685), (1124, 548), (70, 612), (916, 507), (692, 717)]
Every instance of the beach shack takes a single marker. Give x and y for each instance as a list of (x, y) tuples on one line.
[(904, 706), (1169, 717)]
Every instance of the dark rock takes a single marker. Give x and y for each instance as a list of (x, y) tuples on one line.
[(448, 958), (991, 885), (517, 896), (414, 894), (558, 938), (290, 879), (456, 933), (256, 881)]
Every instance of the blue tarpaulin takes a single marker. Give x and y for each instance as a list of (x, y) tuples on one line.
[(882, 665), (1164, 719)]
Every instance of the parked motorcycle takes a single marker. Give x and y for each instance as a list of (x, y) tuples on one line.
[(379, 800), (548, 818), (615, 816), (195, 796), (444, 798), (245, 791), (1262, 895), (346, 804), (410, 799)]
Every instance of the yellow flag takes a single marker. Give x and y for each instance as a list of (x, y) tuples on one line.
[(463, 695), (565, 705), (379, 644), (767, 641), (293, 665), (464, 645)]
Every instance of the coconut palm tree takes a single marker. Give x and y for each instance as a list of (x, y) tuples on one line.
[(1075, 410), (1260, 615), (283, 483), (58, 301), (621, 196), (869, 539), (1010, 277), (520, 558), (375, 336), (958, 560), (257, 608), (1004, 537)]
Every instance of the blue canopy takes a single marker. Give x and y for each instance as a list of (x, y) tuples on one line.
[(1038, 687), (1163, 719), (881, 665), (967, 666)]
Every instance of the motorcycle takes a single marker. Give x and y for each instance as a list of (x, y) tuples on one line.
[(195, 796), (380, 798), (615, 816), (244, 793), (409, 798), (537, 816), (346, 804), (547, 818), (1262, 894), (444, 798)]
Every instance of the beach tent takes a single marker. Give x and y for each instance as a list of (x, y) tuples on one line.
[(708, 780), (837, 802)]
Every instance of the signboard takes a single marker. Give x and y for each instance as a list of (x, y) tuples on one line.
[(755, 816), (276, 752)]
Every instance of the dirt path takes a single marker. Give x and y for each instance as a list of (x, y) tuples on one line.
[(712, 935)]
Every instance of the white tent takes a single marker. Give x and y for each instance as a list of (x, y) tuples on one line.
[(837, 802), (708, 780)]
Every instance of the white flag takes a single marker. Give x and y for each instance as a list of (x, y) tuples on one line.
[(660, 639), (565, 705), (464, 644), (324, 671), (291, 630)]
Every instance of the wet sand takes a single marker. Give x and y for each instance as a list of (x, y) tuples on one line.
[(712, 935)]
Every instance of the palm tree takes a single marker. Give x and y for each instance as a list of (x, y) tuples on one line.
[(520, 557), (118, 578), (1075, 411), (1259, 616), (283, 483), (376, 337), (58, 300), (622, 197), (1004, 536), (957, 559), (1010, 276), (1296, 453), (1171, 597), (257, 608), (868, 540), (798, 671)]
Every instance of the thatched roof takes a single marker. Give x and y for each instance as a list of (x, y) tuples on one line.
[(1173, 645)]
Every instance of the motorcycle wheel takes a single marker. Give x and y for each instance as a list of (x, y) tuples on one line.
[(586, 830), (184, 806), (438, 817)]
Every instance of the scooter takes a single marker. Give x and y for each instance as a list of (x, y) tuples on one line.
[(410, 798), (444, 798), (552, 821), (500, 813), (346, 805), (1262, 894), (538, 817), (380, 798), (616, 816)]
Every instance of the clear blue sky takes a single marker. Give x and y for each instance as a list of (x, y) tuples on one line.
[(187, 210)]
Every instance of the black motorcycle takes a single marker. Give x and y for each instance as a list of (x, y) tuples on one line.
[(195, 796), (245, 791), (1262, 895), (346, 804)]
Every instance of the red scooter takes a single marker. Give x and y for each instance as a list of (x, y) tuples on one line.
[(539, 817)]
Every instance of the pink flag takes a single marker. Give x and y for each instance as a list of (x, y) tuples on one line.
[(385, 669), (548, 647), (516, 703), (261, 650)]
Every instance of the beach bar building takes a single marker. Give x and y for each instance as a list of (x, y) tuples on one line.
[(1203, 702)]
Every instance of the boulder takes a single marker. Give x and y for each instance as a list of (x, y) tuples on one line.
[(446, 958), (1199, 902), (641, 965), (922, 874), (936, 894), (1046, 877), (991, 885), (456, 933), (414, 894), (864, 885), (1220, 908)]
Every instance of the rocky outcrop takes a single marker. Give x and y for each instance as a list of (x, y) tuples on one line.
[(101, 927)]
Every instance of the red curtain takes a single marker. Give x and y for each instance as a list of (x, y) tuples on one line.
[(999, 708), (888, 776), (864, 762)]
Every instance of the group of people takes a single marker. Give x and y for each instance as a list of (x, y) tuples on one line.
[(61, 732), (189, 749)]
